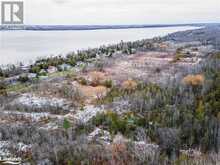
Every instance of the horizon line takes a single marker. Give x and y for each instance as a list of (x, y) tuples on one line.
[(156, 24)]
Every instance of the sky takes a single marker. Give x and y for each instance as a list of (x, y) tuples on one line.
[(106, 12)]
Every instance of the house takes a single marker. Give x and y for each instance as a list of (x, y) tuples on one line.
[(31, 75), (52, 69), (25, 68), (64, 67)]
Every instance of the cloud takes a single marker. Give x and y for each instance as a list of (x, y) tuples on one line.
[(61, 1), (121, 11)]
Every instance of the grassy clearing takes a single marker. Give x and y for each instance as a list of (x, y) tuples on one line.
[(19, 87), (62, 74)]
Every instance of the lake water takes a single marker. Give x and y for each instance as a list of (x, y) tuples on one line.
[(27, 46)]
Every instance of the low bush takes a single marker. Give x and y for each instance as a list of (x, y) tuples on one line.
[(114, 123), (177, 57), (82, 81), (129, 85), (194, 80), (23, 78), (35, 69), (108, 83), (96, 78), (3, 88)]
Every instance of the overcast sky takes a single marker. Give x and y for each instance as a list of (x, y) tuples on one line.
[(121, 11)]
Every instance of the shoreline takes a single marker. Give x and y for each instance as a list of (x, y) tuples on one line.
[(76, 59), (26, 63), (89, 27)]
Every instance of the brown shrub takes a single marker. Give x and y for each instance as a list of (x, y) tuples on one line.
[(91, 93), (194, 80), (96, 78), (129, 85)]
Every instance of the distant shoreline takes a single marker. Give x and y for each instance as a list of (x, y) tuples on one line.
[(88, 27), (35, 54)]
